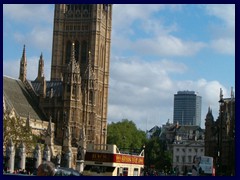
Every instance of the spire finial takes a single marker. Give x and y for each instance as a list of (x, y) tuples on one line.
[(221, 94), (24, 52), (232, 93), (73, 52), (23, 66)]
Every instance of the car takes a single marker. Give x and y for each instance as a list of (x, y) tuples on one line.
[(62, 171), (12, 174)]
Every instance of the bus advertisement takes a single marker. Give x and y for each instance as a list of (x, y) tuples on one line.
[(206, 164), (203, 166)]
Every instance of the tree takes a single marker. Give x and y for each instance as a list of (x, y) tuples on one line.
[(126, 135), (13, 128), (156, 154)]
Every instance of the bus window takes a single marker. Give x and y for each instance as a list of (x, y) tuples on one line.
[(99, 169), (125, 171), (135, 172), (120, 171)]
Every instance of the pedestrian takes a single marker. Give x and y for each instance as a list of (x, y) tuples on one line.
[(47, 168)]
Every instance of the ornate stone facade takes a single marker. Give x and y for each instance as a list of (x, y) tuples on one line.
[(75, 98), (85, 87), (220, 136)]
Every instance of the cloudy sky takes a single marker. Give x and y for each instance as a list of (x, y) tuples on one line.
[(156, 50)]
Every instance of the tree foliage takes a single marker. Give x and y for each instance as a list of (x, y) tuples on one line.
[(14, 128), (126, 135), (156, 153)]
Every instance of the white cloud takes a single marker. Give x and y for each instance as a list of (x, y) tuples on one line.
[(167, 46), (226, 12), (140, 90), (39, 38), (143, 91), (125, 14), (28, 13), (29, 24), (224, 45), (11, 68), (223, 33), (156, 37)]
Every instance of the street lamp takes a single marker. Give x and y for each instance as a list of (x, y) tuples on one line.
[(221, 103)]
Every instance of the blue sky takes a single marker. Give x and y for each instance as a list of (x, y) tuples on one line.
[(156, 50)]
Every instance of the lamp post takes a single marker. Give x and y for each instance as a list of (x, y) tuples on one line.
[(221, 103)]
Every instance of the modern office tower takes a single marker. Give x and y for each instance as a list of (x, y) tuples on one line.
[(187, 108)]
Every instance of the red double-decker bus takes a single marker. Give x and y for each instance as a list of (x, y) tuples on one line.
[(107, 160)]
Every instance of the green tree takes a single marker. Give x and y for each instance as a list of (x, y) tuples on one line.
[(156, 154), (14, 128), (126, 135)]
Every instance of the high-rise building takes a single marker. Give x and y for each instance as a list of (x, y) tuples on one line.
[(187, 108)]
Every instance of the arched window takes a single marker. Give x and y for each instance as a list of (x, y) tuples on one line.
[(91, 97), (84, 53), (67, 7), (68, 52), (77, 50)]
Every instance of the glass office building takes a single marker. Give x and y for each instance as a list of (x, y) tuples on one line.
[(187, 108)]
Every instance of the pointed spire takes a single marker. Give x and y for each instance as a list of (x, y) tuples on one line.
[(89, 58), (73, 66), (22, 145), (209, 110), (72, 52), (49, 129), (40, 68), (37, 147), (28, 122), (10, 142), (221, 94), (24, 53), (232, 93), (23, 66)]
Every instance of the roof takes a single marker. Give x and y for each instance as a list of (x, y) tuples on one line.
[(154, 129), (16, 96), (55, 85), (186, 128)]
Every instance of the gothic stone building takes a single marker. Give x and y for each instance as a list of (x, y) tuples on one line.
[(220, 136), (76, 97)]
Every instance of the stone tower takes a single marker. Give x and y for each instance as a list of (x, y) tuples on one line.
[(210, 132), (87, 29)]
